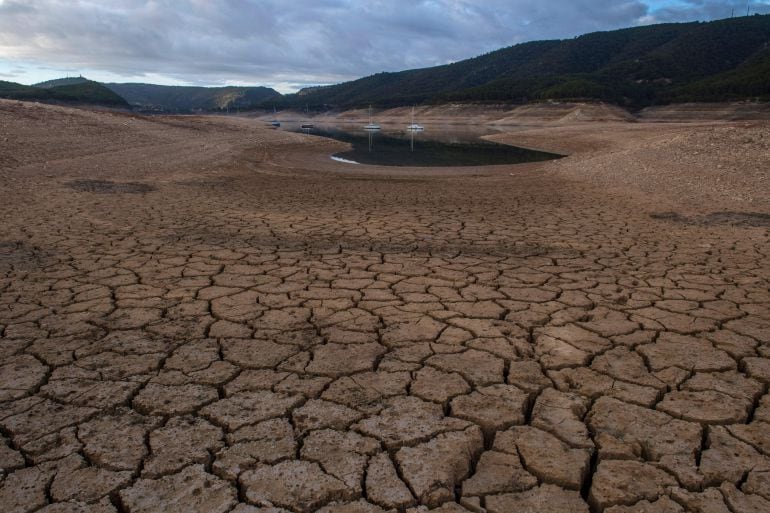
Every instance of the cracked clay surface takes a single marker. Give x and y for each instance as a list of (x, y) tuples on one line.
[(204, 316)]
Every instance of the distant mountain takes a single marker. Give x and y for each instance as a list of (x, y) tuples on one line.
[(635, 67), (67, 90), (143, 97), (160, 98)]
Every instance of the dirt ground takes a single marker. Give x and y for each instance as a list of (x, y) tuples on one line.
[(200, 314)]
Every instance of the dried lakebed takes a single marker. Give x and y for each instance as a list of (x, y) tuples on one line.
[(268, 338)]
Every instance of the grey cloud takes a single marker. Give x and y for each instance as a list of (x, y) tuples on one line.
[(708, 10)]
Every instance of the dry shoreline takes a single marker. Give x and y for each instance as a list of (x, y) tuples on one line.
[(545, 113)]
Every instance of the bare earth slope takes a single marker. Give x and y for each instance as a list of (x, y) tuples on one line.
[(702, 166), (204, 315)]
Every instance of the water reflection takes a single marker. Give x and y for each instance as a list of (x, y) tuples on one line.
[(450, 146)]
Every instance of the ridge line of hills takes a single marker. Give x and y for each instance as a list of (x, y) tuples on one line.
[(636, 67), (148, 98), (724, 60), (158, 98)]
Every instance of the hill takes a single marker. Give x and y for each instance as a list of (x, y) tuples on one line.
[(635, 67), (160, 98), (48, 84), (75, 90), (16, 91)]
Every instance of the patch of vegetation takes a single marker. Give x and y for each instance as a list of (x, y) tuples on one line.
[(750, 80)]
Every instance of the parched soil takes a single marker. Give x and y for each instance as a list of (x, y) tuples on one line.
[(200, 314)]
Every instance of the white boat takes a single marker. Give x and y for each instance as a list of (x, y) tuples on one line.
[(307, 125), (371, 126), (275, 121), (414, 127)]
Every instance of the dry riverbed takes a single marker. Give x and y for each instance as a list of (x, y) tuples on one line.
[(200, 314)]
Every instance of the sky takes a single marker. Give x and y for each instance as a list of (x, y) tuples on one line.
[(289, 44)]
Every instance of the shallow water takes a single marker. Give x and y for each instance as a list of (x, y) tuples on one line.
[(446, 147)]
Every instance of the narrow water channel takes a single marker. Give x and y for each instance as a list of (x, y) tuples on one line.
[(434, 147)]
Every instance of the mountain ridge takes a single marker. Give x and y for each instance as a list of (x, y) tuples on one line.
[(633, 67), (182, 99)]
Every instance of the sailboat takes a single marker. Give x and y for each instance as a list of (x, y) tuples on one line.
[(371, 126), (307, 125), (275, 121), (414, 127)]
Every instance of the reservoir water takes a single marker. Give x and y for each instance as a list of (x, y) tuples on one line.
[(435, 147)]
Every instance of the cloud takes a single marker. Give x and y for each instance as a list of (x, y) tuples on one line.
[(298, 42), (688, 10)]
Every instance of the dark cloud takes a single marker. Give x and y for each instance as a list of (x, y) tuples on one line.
[(688, 10), (302, 41)]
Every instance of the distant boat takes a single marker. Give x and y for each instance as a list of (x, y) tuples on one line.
[(275, 121), (307, 114), (414, 127), (371, 126)]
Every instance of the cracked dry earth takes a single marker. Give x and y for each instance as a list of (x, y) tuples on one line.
[(201, 315)]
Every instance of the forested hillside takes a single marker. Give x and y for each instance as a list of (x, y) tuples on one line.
[(714, 61), (71, 90)]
